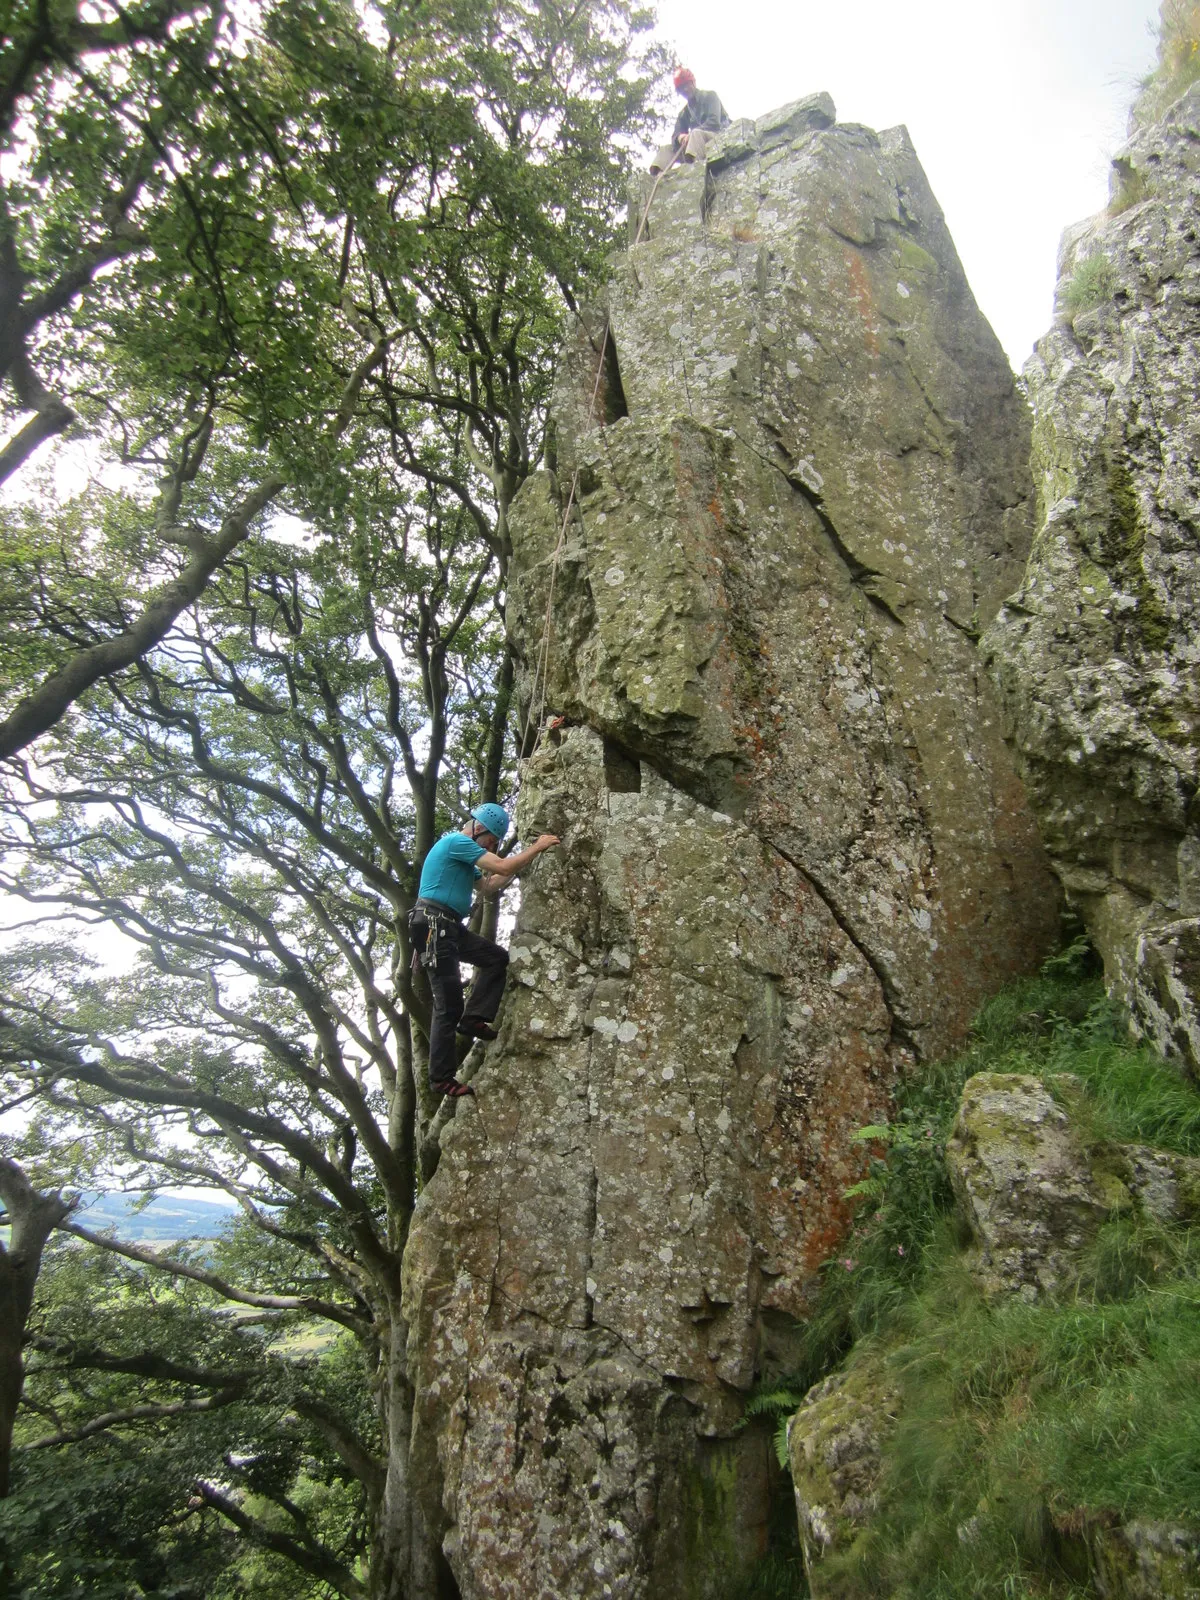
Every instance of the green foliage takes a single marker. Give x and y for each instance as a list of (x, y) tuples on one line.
[(332, 247), (1133, 186), (1018, 1423), (1021, 1425), (1178, 60), (116, 1512), (778, 1576), (1093, 281)]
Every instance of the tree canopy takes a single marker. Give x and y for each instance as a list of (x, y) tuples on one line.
[(281, 288)]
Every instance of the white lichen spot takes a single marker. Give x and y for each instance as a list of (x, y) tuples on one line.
[(537, 1024), (666, 1255), (841, 976), (809, 476), (606, 1027), (590, 1286), (667, 1074), (614, 577), (903, 291), (618, 958), (627, 1033), (724, 1120)]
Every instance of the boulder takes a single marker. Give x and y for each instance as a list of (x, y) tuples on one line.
[(1033, 1191), (1097, 654), (835, 1443), (1025, 1185), (1143, 1560)]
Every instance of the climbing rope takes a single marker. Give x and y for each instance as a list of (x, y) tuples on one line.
[(538, 709)]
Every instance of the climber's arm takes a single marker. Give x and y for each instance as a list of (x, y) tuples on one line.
[(500, 870)]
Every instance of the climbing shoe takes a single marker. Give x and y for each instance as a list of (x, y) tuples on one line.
[(473, 1028), (453, 1090)]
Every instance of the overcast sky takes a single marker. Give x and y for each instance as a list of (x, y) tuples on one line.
[(1015, 108)]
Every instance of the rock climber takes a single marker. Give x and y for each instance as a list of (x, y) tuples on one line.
[(702, 116), (448, 878)]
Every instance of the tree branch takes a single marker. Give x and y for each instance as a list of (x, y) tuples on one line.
[(228, 1291), (313, 1560), (39, 711), (114, 1419)]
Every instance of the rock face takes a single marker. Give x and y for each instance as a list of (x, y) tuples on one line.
[(795, 857), (1098, 653)]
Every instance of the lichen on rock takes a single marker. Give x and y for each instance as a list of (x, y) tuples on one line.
[(835, 1448), (795, 854), (1096, 654), (1034, 1192)]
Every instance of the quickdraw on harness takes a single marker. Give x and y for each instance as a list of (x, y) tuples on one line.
[(436, 923)]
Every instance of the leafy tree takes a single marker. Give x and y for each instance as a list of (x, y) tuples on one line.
[(171, 1418), (364, 234)]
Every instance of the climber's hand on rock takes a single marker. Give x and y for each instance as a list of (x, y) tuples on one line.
[(546, 841)]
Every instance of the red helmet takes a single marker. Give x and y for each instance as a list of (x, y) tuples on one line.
[(685, 79)]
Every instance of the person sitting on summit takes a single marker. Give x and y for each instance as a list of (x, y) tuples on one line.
[(702, 116), (436, 926)]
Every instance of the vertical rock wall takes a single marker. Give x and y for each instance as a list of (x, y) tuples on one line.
[(795, 857), (1098, 653)]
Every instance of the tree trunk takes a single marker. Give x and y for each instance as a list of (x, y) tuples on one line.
[(406, 1561), (32, 1217)]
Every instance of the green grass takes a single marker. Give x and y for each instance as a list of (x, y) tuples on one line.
[(1092, 283), (1178, 61), (1133, 187), (1021, 1425)]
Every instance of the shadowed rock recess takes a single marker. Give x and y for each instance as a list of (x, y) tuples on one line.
[(1098, 654), (796, 856)]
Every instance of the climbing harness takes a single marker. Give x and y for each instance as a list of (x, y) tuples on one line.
[(543, 656), (436, 921)]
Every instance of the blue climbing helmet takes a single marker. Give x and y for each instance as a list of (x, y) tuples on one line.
[(493, 817)]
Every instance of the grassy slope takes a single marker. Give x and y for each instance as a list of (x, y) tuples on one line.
[(1019, 1424)]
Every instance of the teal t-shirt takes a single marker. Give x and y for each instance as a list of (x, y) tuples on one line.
[(449, 873)]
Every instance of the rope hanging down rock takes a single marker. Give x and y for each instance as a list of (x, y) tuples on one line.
[(538, 710)]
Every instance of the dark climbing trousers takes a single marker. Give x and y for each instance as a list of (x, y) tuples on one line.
[(456, 943)]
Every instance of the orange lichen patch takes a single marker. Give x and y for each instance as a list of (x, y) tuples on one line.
[(744, 234), (715, 511), (821, 1241), (860, 289)]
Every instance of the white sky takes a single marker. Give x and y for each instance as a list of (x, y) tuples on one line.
[(1015, 108)]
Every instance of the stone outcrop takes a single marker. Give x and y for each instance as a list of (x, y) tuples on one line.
[(1143, 1560), (795, 852), (1098, 652), (835, 1445), (1034, 1193)]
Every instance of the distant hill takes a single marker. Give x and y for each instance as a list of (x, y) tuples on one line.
[(166, 1217)]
